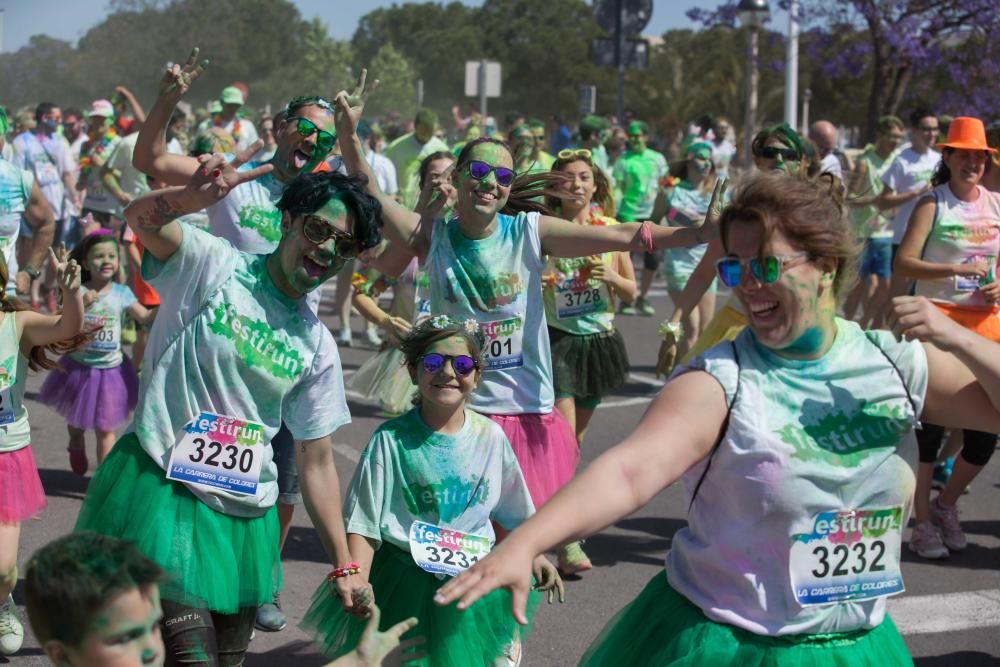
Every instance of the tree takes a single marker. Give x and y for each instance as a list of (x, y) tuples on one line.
[(397, 83), (905, 41), (326, 62)]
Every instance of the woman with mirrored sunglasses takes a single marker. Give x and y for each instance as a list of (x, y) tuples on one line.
[(796, 446), (485, 263)]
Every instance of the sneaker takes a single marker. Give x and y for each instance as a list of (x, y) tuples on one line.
[(11, 630), (925, 541), (270, 618), (78, 460), (644, 307), (511, 656), (344, 338), (946, 519), (572, 559), (942, 473), (627, 309), (371, 335)]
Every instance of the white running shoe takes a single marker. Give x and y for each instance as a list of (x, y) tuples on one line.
[(11, 630), (344, 338)]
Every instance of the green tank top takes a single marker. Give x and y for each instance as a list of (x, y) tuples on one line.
[(15, 433)]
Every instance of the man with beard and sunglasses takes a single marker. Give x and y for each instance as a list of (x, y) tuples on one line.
[(248, 217), (236, 353)]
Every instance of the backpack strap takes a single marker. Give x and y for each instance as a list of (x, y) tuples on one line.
[(723, 431), (913, 404)]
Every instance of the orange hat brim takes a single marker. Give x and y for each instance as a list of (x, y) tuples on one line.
[(965, 145)]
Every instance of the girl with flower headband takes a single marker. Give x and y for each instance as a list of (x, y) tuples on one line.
[(97, 386), (435, 489), (25, 336), (588, 353)]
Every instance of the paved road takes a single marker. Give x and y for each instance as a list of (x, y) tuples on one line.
[(950, 614)]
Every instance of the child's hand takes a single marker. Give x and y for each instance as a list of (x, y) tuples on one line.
[(67, 274), (374, 646), (89, 297), (548, 579)]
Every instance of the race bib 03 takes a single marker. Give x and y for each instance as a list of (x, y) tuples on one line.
[(850, 555), (219, 452), (444, 551)]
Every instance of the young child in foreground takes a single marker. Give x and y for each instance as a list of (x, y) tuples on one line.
[(94, 601), (435, 489)]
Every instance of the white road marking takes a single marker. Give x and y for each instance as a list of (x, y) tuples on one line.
[(347, 451), (925, 614)]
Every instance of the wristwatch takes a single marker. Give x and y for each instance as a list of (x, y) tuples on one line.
[(32, 272)]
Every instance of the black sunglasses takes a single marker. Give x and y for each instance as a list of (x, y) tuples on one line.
[(462, 364), (305, 127), (480, 170), (319, 231), (772, 153)]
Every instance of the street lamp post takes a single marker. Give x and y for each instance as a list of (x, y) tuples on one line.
[(792, 65), (752, 14)]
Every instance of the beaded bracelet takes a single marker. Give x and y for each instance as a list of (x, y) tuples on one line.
[(345, 571)]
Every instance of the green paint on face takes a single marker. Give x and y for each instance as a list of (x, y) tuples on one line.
[(845, 430), (266, 221), (257, 343), (332, 211)]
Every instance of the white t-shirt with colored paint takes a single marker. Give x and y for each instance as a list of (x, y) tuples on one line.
[(104, 317), (962, 232), (409, 472), (15, 192), (227, 341), (807, 441), (909, 171), (497, 282), (248, 217)]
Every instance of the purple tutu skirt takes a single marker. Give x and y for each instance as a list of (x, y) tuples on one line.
[(546, 449), (92, 398), (21, 492)]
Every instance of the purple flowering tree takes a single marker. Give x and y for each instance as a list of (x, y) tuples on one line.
[(946, 52)]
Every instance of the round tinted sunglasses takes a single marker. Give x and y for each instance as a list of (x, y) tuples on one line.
[(319, 231), (462, 364), (766, 270), (305, 127), (480, 170), (772, 153)]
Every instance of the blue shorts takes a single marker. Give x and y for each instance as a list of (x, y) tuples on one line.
[(283, 445), (877, 258)]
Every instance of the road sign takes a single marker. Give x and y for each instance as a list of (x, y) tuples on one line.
[(491, 79), (635, 53), (635, 15), (588, 99)]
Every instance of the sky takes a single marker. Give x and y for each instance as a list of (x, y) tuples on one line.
[(70, 19)]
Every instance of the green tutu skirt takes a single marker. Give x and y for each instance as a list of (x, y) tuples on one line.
[(453, 638), (214, 561), (661, 627), (588, 367)]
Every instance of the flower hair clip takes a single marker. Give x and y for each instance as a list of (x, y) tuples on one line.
[(469, 325)]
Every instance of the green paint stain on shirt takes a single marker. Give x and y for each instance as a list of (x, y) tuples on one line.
[(266, 221), (846, 430), (259, 345), (446, 499)]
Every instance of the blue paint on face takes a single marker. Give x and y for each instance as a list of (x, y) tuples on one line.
[(810, 342)]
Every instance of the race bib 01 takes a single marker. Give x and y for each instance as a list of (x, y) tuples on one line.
[(219, 452), (504, 339), (444, 551), (850, 555)]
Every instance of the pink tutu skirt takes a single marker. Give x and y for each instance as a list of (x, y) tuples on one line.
[(91, 398), (21, 492), (546, 448)]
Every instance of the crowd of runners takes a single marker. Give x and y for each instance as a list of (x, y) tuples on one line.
[(852, 369)]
